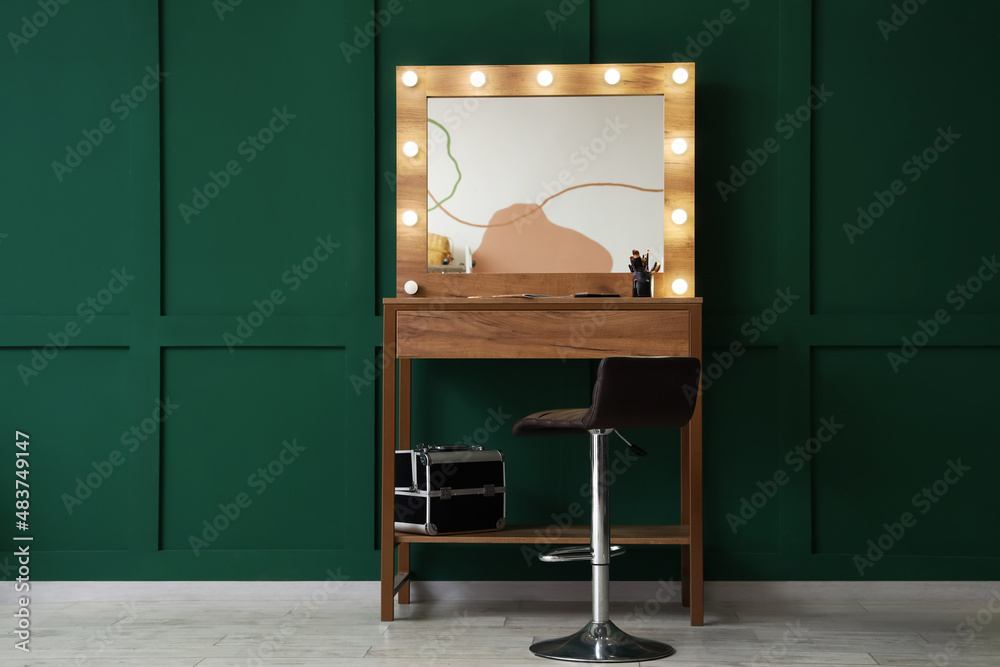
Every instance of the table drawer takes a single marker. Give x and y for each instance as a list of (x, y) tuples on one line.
[(541, 334)]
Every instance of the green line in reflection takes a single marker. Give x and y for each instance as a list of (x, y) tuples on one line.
[(448, 149)]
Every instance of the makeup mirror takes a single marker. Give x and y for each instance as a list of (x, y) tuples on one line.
[(546, 177), (545, 185)]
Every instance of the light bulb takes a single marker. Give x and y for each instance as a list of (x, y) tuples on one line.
[(410, 287), (612, 76), (679, 286), (680, 75), (409, 78), (545, 77), (678, 146), (679, 216), (409, 218), (410, 148), (477, 79)]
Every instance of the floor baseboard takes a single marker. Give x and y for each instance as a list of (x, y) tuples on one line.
[(663, 591)]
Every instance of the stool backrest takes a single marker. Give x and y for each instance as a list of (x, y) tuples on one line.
[(644, 392)]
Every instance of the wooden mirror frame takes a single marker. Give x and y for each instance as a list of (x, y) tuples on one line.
[(521, 81)]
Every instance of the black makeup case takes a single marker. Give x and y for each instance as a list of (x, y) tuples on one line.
[(450, 489)]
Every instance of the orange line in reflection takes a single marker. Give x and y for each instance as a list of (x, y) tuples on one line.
[(539, 206)]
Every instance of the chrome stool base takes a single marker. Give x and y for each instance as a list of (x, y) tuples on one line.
[(601, 642)]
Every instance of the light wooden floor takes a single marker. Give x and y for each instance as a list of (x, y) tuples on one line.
[(485, 634)]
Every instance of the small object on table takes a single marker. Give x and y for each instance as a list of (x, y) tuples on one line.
[(511, 296), (642, 277), (635, 262), (439, 250), (642, 283)]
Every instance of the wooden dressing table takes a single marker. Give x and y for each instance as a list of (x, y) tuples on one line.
[(438, 320), (560, 328)]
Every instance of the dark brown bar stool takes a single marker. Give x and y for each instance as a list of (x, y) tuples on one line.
[(630, 392)]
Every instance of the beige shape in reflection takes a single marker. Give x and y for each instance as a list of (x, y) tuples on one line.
[(521, 239)]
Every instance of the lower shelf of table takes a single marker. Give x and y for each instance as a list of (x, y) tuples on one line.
[(555, 535)]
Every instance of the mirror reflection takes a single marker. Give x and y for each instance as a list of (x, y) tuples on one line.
[(544, 184)]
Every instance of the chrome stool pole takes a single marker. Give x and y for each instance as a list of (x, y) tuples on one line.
[(600, 640)]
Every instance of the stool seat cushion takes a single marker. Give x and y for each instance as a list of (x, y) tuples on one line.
[(630, 392), (553, 422)]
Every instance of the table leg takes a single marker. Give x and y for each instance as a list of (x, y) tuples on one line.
[(387, 541), (697, 553), (404, 443), (686, 513), (697, 565)]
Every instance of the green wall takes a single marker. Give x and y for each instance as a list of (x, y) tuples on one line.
[(223, 245)]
